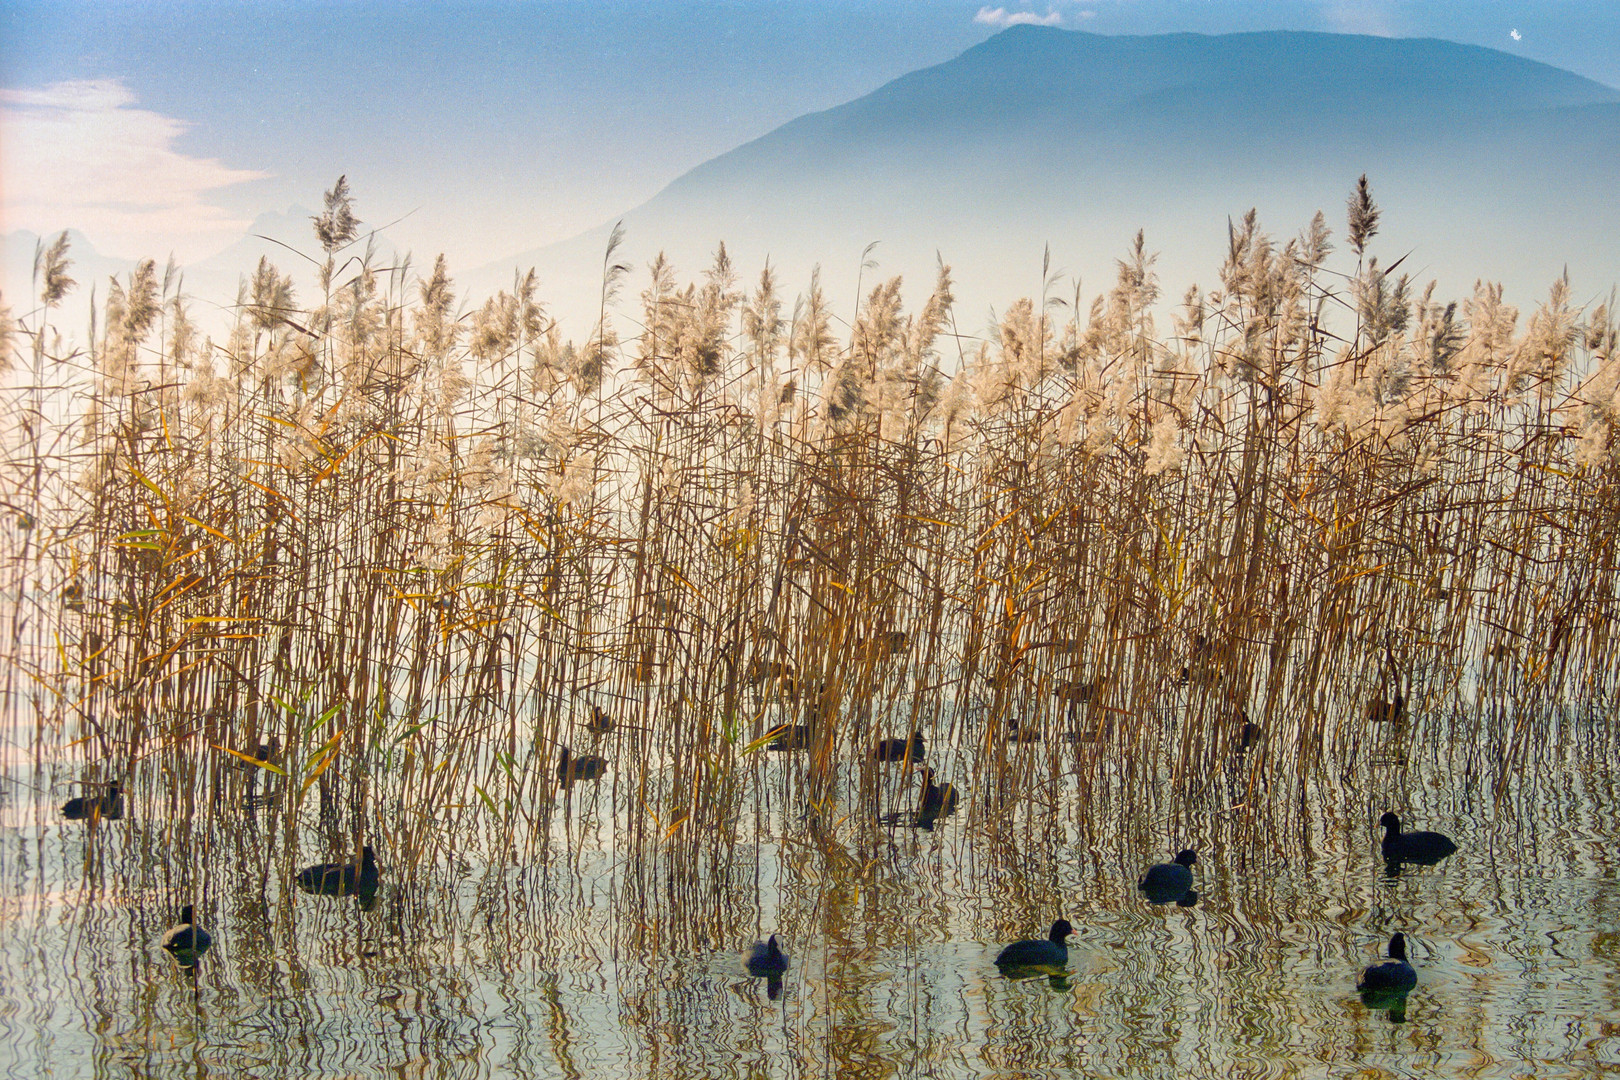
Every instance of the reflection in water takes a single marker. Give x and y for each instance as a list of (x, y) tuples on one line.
[(766, 960), (1389, 1000), (1384, 986), (576, 959)]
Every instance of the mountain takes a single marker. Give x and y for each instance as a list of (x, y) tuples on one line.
[(1486, 165), (89, 269)]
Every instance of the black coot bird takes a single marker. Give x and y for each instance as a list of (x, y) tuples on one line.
[(1426, 848), (1168, 882), (1393, 974), (186, 941), (570, 768), (342, 879), (1033, 953), (938, 800), (790, 737), (900, 749), (109, 805), (766, 960)]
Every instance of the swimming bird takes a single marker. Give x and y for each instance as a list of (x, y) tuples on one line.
[(1393, 974), (900, 749), (186, 941), (570, 768), (1035, 953), (790, 737), (1169, 882), (341, 879), (600, 722), (109, 805), (766, 960), (938, 800), (1248, 732), (1427, 848)]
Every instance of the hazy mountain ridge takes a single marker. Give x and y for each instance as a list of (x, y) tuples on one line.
[(1488, 165)]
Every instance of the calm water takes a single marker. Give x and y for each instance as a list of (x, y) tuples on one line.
[(583, 958)]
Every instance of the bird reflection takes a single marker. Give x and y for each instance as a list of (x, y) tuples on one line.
[(1385, 986), (1388, 1000), (766, 960)]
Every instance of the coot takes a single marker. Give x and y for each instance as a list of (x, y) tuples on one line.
[(342, 879), (1393, 974), (570, 768), (1169, 882), (900, 749), (109, 805), (766, 960), (1035, 953), (1427, 848), (938, 800), (186, 941)]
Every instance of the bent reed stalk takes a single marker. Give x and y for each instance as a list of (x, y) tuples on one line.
[(409, 556)]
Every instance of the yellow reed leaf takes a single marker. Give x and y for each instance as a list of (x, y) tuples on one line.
[(153, 488), (250, 759), (206, 528), (329, 755)]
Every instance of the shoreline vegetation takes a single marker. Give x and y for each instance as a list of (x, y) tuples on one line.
[(380, 562)]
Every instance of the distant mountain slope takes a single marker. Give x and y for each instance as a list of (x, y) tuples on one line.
[(1487, 165)]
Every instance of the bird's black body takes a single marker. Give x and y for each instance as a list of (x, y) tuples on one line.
[(766, 958), (1427, 848), (571, 768), (186, 941), (1392, 711), (900, 749), (767, 961), (1168, 882), (938, 800), (109, 805), (1051, 952), (342, 879), (790, 737), (1393, 974)]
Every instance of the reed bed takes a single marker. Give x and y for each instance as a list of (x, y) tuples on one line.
[(366, 565)]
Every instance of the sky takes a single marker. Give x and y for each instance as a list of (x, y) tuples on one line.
[(483, 129)]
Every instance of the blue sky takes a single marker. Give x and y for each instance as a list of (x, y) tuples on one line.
[(491, 128)]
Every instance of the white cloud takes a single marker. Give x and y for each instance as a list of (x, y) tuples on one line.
[(79, 154), (1002, 18), (1372, 17)]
